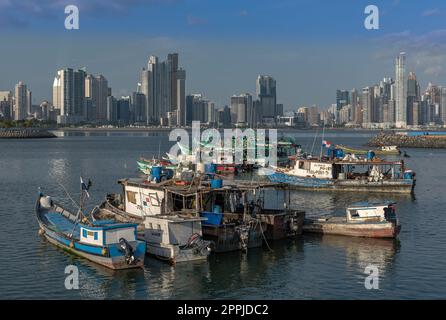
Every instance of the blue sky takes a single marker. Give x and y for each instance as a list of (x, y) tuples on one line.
[(311, 47)]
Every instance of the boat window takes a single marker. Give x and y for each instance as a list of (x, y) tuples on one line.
[(84, 233), (159, 227), (131, 197), (301, 164), (96, 236), (354, 214)]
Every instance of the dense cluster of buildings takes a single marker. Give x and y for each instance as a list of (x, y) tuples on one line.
[(160, 99), (393, 103)]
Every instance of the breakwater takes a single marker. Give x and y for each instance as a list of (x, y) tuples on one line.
[(19, 133), (408, 141)]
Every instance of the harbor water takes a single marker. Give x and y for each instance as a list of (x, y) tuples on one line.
[(309, 267)]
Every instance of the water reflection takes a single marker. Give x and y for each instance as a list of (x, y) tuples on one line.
[(360, 252)]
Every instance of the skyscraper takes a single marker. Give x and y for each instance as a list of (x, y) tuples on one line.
[(368, 103), (6, 105), (69, 94), (266, 93), (160, 85), (96, 89), (181, 97), (413, 99), (21, 101), (342, 98), (401, 92), (241, 108)]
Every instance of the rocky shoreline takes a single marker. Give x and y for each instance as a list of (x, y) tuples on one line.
[(404, 141), (19, 133)]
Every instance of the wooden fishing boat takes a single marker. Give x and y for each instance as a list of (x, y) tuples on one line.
[(384, 150), (110, 244), (174, 238), (362, 220)]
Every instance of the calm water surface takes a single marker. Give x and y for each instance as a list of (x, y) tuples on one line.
[(310, 267)]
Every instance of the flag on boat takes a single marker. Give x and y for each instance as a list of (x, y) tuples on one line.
[(326, 143), (85, 186)]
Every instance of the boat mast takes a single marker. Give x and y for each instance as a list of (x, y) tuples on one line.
[(323, 133)]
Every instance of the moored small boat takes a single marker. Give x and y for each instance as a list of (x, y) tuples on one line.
[(363, 220), (110, 244)]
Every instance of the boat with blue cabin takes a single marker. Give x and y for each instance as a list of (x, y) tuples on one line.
[(110, 244)]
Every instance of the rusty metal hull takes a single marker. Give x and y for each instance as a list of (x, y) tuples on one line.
[(282, 225), (368, 230), (225, 237)]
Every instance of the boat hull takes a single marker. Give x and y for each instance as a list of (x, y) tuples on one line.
[(385, 186), (225, 238), (282, 225), (366, 230)]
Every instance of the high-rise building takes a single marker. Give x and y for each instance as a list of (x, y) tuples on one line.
[(443, 105), (241, 109), (180, 101), (69, 94), (266, 94), (138, 107), (123, 110), (160, 85), (6, 105), (112, 109), (413, 99), (401, 91), (22, 101), (342, 98), (368, 105), (96, 90)]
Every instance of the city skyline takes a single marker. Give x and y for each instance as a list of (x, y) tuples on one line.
[(225, 49)]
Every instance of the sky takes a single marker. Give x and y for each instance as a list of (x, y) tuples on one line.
[(311, 47)]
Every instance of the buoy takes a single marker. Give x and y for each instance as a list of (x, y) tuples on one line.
[(104, 252), (71, 244), (41, 232)]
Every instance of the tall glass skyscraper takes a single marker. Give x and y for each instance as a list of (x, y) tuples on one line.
[(401, 91)]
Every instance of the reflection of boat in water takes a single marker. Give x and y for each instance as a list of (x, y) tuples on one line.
[(378, 221), (359, 251), (384, 150)]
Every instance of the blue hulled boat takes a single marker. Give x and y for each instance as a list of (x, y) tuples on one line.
[(113, 245)]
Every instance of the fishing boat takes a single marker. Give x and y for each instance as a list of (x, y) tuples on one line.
[(384, 150), (361, 220), (110, 244), (347, 173), (171, 236)]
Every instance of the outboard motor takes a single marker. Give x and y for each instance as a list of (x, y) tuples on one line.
[(127, 249), (199, 245)]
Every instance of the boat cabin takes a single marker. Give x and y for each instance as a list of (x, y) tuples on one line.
[(370, 213), (104, 233), (351, 169)]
